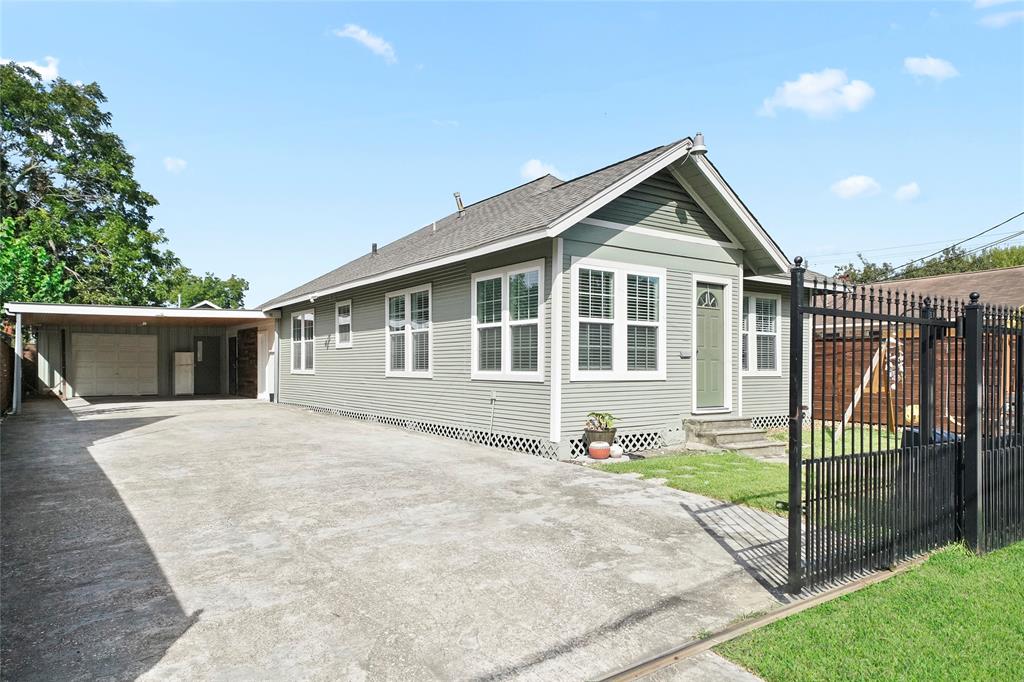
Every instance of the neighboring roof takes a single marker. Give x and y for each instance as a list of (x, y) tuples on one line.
[(1003, 286), (531, 211), (36, 313), (205, 304)]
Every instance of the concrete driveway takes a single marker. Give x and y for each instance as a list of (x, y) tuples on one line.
[(242, 540)]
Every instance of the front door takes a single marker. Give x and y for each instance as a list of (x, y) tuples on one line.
[(207, 364), (710, 345)]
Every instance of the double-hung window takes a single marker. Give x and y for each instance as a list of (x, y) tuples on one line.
[(343, 325), (508, 323), (408, 335), (761, 334), (618, 321), (302, 342)]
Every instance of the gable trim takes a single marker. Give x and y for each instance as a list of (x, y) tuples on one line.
[(663, 234)]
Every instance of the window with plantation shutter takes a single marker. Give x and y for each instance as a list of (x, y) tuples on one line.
[(507, 309), (617, 325), (761, 337), (408, 336)]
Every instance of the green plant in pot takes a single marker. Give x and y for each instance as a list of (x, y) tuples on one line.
[(600, 426)]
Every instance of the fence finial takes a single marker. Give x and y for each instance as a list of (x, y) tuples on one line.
[(798, 261), (975, 296)]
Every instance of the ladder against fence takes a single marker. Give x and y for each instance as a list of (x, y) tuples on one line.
[(915, 432)]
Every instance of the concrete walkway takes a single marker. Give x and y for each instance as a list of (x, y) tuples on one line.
[(231, 538)]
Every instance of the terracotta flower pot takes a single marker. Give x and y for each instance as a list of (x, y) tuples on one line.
[(599, 450)]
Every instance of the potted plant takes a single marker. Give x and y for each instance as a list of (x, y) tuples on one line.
[(600, 426)]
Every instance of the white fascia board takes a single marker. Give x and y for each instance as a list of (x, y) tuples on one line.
[(133, 311), (412, 269), (616, 189), (720, 186)]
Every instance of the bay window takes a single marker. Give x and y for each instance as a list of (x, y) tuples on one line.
[(408, 335), (618, 321), (302, 342), (507, 323)]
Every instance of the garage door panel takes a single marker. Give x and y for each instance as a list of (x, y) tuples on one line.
[(114, 364)]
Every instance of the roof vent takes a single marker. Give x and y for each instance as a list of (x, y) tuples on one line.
[(458, 204), (373, 249), (698, 144)]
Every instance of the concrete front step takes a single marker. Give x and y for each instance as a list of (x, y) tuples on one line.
[(714, 425), (739, 436)]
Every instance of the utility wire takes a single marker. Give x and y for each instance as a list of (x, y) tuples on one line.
[(962, 241)]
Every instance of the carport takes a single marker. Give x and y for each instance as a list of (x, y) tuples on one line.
[(106, 350)]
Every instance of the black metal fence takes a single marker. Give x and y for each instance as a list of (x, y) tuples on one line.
[(911, 435)]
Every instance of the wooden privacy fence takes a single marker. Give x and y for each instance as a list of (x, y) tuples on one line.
[(915, 437)]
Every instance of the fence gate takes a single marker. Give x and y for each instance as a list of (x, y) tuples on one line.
[(910, 437)]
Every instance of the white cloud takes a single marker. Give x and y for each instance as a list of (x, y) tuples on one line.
[(983, 4), (856, 186), (932, 67), (1001, 19), (374, 44), (174, 165), (820, 94), (907, 192), (47, 72), (445, 122), (535, 168)]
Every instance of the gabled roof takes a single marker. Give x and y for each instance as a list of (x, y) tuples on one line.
[(205, 304), (537, 209)]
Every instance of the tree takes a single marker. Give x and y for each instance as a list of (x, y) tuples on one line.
[(67, 184), (951, 260), (27, 272), (227, 293)]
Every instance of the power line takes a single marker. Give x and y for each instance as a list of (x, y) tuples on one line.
[(897, 249), (962, 241)]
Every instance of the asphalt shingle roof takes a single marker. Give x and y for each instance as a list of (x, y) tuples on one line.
[(521, 210)]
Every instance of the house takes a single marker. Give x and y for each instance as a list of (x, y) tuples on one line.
[(645, 288)]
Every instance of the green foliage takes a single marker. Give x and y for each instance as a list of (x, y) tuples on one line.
[(600, 421), (951, 260), (227, 293), (727, 476), (67, 185), (956, 617), (27, 272)]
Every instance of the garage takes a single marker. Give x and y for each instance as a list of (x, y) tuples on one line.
[(85, 351), (114, 364)]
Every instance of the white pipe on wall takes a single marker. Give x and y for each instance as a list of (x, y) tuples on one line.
[(18, 349)]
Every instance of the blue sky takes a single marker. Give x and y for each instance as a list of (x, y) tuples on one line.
[(282, 139)]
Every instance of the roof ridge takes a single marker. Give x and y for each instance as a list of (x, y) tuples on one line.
[(512, 189), (617, 163)]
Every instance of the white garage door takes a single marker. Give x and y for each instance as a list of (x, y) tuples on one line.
[(113, 364)]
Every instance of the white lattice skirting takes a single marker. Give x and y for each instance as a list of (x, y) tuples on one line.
[(505, 441), (774, 421), (630, 442)]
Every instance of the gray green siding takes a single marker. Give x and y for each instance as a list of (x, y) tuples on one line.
[(647, 406), (353, 379), (661, 203)]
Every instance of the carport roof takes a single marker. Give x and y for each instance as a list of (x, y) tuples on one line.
[(71, 313)]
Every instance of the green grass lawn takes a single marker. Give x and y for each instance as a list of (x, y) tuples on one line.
[(856, 440), (724, 476), (956, 617)]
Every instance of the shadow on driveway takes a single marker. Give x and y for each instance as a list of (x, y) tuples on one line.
[(83, 594)]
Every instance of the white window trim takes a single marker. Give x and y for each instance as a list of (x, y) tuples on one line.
[(727, 368), (506, 324), (752, 370), (291, 360), (338, 320), (408, 331), (618, 321)]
